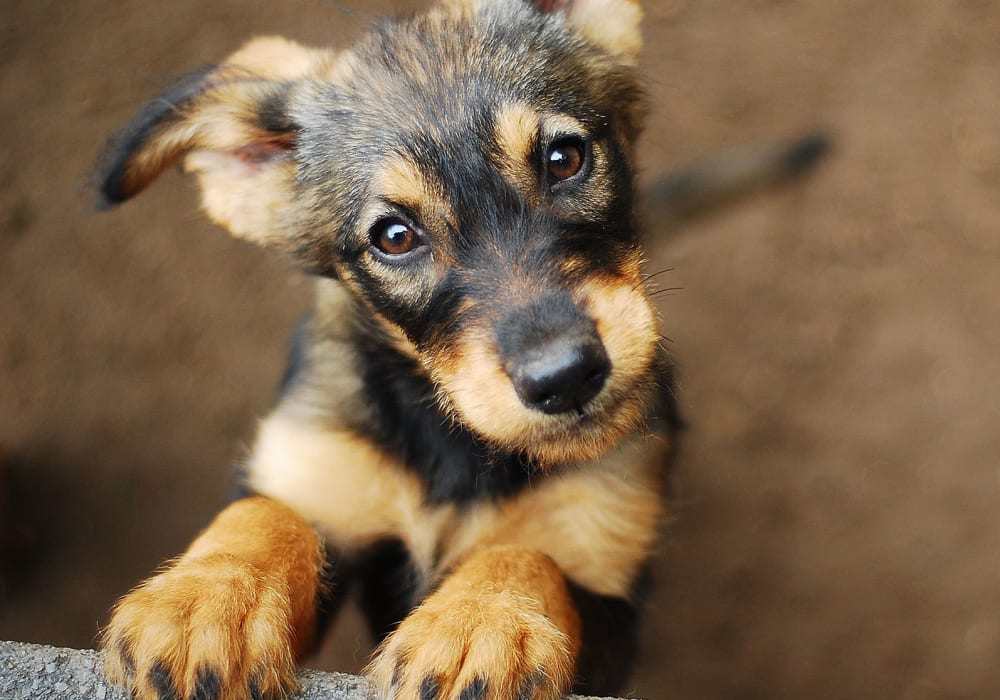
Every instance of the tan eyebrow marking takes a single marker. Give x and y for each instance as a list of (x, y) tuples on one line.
[(516, 132), (402, 181)]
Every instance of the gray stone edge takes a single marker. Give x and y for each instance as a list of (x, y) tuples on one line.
[(37, 672)]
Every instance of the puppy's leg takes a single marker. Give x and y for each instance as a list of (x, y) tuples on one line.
[(502, 625), (229, 617), (610, 640)]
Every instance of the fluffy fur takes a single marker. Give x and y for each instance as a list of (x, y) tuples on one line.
[(477, 414)]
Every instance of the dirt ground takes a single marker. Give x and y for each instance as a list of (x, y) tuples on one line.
[(837, 498)]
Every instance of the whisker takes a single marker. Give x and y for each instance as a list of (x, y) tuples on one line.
[(645, 278), (666, 291), (352, 13)]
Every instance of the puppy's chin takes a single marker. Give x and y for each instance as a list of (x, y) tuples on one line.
[(574, 438)]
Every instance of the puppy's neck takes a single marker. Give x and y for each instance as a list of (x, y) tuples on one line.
[(347, 369)]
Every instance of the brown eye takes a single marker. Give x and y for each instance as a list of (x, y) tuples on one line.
[(394, 237), (565, 158)]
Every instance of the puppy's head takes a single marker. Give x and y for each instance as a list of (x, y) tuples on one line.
[(466, 174)]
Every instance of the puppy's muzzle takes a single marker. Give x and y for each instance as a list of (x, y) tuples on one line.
[(553, 355)]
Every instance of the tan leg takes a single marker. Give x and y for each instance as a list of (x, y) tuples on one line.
[(502, 625), (229, 617)]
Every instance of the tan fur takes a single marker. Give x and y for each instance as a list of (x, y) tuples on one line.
[(248, 196), (278, 58), (597, 520), (503, 617), (456, 7), (475, 388), (614, 25), (395, 335), (223, 120), (516, 132), (241, 601), (556, 124), (482, 394), (250, 200), (573, 264), (626, 322), (518, 127), (402, 181), (351, 490), (331, 395), (409, 287)]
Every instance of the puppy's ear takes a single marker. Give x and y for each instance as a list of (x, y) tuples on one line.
[(230, 125), (614, 25)]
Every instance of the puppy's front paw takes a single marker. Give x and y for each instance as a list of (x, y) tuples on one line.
[(214, 628), (475, 645)]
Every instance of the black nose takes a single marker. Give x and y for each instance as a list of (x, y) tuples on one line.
[(560, 376), (553, 355)]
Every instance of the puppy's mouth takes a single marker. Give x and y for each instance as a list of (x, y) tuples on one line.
[(560, 380)]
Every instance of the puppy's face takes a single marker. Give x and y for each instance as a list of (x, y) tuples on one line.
[(466, 174)]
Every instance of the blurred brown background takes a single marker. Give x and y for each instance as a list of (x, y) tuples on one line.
[(837, 499)]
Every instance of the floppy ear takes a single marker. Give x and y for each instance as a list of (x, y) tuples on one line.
[(614, 25), (231, 126)]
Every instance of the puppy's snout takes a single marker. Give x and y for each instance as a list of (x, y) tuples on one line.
[(553, 355), (560, 376)]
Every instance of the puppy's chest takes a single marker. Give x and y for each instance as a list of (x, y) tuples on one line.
[(360, 496), (597, 521)]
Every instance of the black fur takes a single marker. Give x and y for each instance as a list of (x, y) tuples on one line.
[(430, 688), (476, 690), (208, 685), (272, 113), (431, 98), (446, 125), (456, 466), (111, 172), (610, 639), (160, 678), (390, 586), (297, 363), (552, 353), (337, 577)]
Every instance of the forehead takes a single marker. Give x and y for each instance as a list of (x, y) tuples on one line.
[(459, 92), (440, 76), (469, 56)]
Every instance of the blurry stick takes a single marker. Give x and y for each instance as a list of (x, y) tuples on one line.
[(729, 176)]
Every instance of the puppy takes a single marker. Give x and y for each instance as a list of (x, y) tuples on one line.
[(476, 417)]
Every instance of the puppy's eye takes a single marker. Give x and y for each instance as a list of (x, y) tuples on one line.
[(565, 158), (394, 237)]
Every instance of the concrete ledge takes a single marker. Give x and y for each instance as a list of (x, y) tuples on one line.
[(46, 673), (30, 671)]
